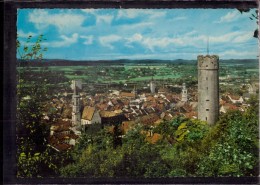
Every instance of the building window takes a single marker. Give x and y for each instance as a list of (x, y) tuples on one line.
[(206, 118), (206, 78), (207, 100), (207, 109), (207, 88)]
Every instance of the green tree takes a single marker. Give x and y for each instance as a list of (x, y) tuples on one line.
[(232, 148), (30, 51), (34, 157)]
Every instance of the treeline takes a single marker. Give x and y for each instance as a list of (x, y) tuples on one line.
[(59, 62)]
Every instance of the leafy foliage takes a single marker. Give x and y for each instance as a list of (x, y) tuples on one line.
[(234, 151), (30, 51), (34, 157), (254, 17), (227, 149)]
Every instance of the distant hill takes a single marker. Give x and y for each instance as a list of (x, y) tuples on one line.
[(59, 62)]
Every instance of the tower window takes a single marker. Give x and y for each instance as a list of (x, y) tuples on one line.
[(207, 109), (206, 65), (207, 88), (206, 78), (206, 118), (207, 100)]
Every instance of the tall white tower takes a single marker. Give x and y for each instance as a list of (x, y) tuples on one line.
[(134, 91), (76, 85), (208, 88), (184, 94), (152, 86)]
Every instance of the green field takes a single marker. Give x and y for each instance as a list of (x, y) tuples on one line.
[(138, 72)]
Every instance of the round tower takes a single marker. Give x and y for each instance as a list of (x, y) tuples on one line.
[(208, 88)]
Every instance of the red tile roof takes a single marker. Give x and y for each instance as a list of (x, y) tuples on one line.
[(149, 119), (126, 94)]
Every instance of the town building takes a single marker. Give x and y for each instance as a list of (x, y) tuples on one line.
[(61, 136), (236, 99), (90, 116)]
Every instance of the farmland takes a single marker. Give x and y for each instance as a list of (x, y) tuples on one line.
[(141, 72)]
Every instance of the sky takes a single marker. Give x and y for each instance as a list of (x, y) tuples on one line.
[(166, 34)]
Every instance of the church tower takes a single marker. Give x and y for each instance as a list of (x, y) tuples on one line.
[(134, 91), (152, 86), (76, 85), (184, 94), (208, 88)]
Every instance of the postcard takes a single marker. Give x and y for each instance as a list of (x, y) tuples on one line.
[(137, 93)]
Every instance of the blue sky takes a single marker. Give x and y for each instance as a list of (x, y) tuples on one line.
[(168, 34)]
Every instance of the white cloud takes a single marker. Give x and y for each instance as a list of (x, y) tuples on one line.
[(128, 13), (64, 42), (229, 17), (152, 42), (154, 15), (190, 39), (108, 40), (133, 13), (22, 34), (134, 27), (104, 19), (99, 18), (65, 22), (179, 18), (137, 37), (243, 37), (238, 54), (224, 38), (88, 39), (89, 11), (193, 32)]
